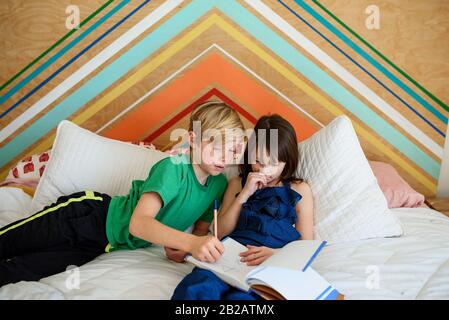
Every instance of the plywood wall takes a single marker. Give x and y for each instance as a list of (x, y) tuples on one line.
[(135, 69)]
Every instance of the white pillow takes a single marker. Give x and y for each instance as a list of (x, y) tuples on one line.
[(15, 204), (348, 203), (82, 160)]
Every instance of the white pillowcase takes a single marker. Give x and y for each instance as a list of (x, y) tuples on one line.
[(15, 204), (82, 160), (348, 203)]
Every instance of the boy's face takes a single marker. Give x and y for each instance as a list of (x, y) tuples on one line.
[(216, 154)]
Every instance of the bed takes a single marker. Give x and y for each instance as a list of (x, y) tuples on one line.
[(414, 266), (411, 262)]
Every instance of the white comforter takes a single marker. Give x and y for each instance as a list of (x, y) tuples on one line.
[(414, 266)]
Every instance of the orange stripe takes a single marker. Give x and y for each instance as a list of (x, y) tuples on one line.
[(212, 69), (182, 115)]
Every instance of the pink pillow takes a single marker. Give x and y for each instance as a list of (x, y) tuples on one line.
[(396, 190)]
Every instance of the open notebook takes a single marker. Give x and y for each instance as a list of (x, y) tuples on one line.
[(285, 275)]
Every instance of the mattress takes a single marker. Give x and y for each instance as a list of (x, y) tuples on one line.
[(413, 266)]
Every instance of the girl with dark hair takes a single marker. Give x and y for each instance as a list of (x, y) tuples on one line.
[(264, 208)]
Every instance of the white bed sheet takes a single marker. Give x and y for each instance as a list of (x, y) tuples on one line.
[(414, 266)]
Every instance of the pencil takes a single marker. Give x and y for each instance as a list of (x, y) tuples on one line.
[(215, 217)]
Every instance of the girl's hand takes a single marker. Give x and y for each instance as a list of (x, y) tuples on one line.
[(256, 255), (175, 254), (254, 182)]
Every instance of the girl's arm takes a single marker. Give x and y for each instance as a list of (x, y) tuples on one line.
[(201, 228), (230, 208), (144, 226), (304, 211)]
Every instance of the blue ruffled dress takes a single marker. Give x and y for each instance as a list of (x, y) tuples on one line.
[(266, 219)]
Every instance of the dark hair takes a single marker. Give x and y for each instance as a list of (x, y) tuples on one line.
[(287, 146)]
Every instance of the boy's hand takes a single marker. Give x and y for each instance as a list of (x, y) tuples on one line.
[(175, 254), (256, 255), (207, 248)]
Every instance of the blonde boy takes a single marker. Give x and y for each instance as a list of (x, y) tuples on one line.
[(177, 193)]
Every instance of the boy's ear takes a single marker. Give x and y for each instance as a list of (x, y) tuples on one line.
[(192, 137)]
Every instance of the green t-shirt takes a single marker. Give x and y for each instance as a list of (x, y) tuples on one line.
[(185, 200)]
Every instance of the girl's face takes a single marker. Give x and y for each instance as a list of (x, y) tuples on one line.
[(263, 164)]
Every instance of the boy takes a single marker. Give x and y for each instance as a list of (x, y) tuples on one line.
[(177, 193)]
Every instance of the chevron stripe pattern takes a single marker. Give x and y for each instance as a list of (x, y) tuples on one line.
[(134, 70)]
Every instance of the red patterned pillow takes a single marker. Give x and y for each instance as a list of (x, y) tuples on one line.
[(30, 168)]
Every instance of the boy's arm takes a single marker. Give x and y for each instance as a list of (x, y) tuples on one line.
[(144, 225), (200, 228)]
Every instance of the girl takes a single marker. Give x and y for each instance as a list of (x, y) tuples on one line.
[(261, 209), (177, 193)]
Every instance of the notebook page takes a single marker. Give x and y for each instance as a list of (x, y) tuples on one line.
[(294, 255), (293, 285), (229, 268)]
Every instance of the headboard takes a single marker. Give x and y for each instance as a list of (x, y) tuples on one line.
[(134, 70)]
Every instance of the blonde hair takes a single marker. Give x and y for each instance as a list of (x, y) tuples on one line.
[(215, 115)]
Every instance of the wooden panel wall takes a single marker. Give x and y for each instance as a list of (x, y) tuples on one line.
[(306, 60)]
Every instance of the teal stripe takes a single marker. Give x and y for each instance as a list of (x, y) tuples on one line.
[(326, 83), (175, 25), (57, 43), (366, 43), (370, 59), (111, 73), (59, 54)]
